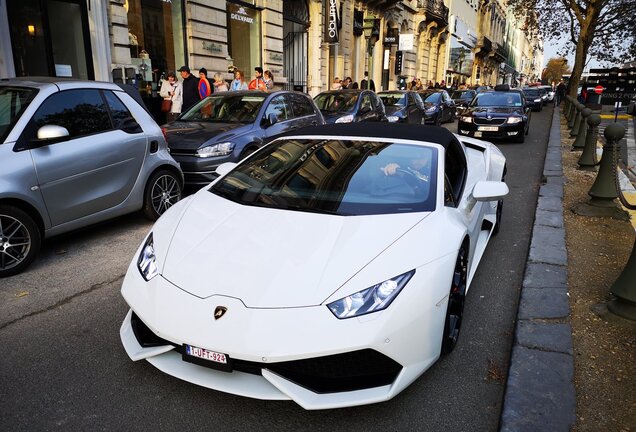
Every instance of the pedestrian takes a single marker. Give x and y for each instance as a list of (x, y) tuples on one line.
[(204, 87), (219, 83), (239, 81), (347, 83), (354, 85), (269, 80), (418, 85), (442, 84), (171, 92), (430, 84), (336, 85), (366, 83), (560, 92), (258, 83), (436, 85), (189, 89)]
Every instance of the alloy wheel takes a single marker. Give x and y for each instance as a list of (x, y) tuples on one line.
[(165, 193), (15, 242)]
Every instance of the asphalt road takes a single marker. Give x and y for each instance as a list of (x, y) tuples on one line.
[(62, 365)]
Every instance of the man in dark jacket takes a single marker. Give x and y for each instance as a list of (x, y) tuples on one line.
[(366, 83), (190, 89), (560, 92)]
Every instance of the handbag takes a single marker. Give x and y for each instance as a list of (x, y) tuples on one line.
[(166, 105)]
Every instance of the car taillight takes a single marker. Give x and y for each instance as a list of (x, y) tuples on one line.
[(165, 134)]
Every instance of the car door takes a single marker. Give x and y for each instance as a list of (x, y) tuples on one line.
[(303, 112), (448, 105), (280, 108), (367, 111), (415, 108), (96, 167)]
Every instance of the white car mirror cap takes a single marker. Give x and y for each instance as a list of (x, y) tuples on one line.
[(490, 190), (225, 168), (51, 132)]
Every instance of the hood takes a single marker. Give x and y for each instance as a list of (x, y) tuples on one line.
[(393, 109), (494, 111), (184, 135), (271, 258)]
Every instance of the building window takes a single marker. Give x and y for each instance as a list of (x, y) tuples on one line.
[(244, 32), (155, 34)]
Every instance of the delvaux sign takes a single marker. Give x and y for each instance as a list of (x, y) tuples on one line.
[(331, 26), (241, 13)]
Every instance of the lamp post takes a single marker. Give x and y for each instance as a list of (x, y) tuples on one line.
[(371, 35)]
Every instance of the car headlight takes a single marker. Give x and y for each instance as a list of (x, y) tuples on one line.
[(514, 120), (431, 109), (373, 299), (220, 149), (537, 100), (345, 119), (393, 119), (466, 119), (147, 261)]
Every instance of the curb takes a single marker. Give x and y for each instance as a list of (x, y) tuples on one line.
[(540, 391)]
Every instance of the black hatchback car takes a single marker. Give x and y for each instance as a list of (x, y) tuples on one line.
[(349, 106), (496, 115), (228, 126), (403, 106), (533, 96), (438, 107), (462, 98)]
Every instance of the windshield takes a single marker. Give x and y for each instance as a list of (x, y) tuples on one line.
[(226, 108), (432, 97), (393, 98), (334, 176), (531, 93), (466, 95), (13, 102), (336, 102), (497, 99)]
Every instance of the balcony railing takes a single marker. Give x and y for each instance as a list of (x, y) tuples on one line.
[(484, 44), (435, 9)]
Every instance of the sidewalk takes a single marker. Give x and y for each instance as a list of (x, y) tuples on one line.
[(573, 364)]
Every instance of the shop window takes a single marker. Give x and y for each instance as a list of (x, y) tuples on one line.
[(244, 32)]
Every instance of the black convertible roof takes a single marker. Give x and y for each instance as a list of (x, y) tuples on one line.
[(432, 134)]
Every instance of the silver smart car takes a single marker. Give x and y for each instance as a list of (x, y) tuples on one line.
[(74, 153)]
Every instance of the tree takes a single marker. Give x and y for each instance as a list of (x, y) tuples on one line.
[(555, 69), (600, 29)]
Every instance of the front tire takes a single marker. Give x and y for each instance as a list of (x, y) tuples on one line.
[(456, 297), (163, 190), (20, 240)]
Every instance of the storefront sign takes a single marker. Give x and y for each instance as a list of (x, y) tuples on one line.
[(213, 47), (275, 57), (407, 40), (398, 62), (391, 37), (331, 26), (240, 13)]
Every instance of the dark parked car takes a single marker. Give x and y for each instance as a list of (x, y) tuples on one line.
[(75, 153), (438, 107), (496, 115), (403, 106), (228, 126), (544, 95), (349, 106), (533, 96), (462, 98)]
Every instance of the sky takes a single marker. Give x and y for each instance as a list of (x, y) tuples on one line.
[(550, 49)]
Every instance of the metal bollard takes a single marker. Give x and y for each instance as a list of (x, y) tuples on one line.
[(573, 115), (577, 120), (579, 142), (603, 191), (588, 161), (624, 289)]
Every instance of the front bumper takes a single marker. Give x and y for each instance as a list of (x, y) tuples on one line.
[(200, 171), (303, 354), (504, 131)]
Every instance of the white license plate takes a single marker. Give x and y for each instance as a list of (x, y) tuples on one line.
[(206, 354), (488, 128)]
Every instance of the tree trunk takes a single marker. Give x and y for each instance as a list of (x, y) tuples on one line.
[(586, 35)]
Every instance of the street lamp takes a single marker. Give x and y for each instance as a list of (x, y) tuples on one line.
[(371, 34)]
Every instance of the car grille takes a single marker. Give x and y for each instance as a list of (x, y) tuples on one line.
[(493, 122), (344, 372), (183, 152)]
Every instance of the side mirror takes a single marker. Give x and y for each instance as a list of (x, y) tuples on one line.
[(490, 190), (50, 134), (225, 168), (270, 120)]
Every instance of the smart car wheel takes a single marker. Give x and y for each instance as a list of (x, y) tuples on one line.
[(455, 309), (19, 240), (162, 192)]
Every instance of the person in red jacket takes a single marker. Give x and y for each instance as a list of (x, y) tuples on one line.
[(205, 89)]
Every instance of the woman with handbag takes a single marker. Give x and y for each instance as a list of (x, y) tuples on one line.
[(171, 92)]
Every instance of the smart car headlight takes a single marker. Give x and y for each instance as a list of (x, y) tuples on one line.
[(514, 120), (345, 119), (147, 261), (393, 119), (221, 149), (431, 109), (373, 299), (466, 119)]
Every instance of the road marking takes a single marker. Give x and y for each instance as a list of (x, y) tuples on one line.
[(620, 116)]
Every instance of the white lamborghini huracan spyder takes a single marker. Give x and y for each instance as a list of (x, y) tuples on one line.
[(330, 267)]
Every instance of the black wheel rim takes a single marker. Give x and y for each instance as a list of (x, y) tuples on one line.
[(456, 299), (15, 242), (165, 193)]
